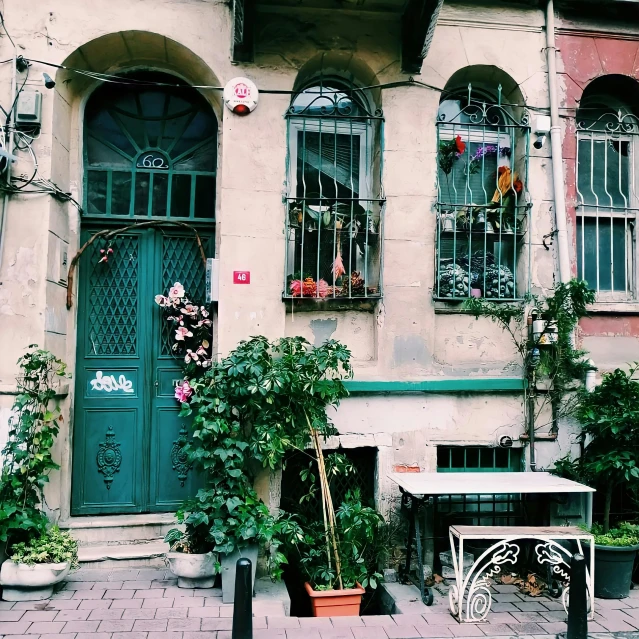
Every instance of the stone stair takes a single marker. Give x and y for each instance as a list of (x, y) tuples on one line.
[(121, 541)]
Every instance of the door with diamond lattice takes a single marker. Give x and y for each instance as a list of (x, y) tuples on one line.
[(128, 436)]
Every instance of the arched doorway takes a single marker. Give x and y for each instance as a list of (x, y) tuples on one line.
[(150, 153)]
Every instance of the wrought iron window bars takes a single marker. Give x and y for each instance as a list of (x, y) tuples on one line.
[(482, 200), (607, 203), (334, 201)]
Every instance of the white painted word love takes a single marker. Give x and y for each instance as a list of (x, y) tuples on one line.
[(108, 383)]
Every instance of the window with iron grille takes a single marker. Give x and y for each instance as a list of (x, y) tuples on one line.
[(334, 201), (482, 207), (607, 135), (479, 510), (150, 151)]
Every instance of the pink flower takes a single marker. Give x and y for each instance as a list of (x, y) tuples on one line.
[(160, 300), (183, 392), (181, 333), (189, 309), (176, 291), (322, 288)]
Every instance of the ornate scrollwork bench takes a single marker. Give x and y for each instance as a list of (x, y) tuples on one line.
[(471, 598)]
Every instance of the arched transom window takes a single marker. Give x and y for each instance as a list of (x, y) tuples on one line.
[(150, 150)]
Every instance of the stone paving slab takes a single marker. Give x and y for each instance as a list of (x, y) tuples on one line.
[(146, 604)]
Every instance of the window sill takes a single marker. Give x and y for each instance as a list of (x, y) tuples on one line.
[(313, 304), (450, 307), (614, 308)]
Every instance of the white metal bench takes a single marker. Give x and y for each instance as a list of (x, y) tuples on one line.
[(471, 598)]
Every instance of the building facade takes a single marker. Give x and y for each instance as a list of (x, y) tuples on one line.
[(367, 195)]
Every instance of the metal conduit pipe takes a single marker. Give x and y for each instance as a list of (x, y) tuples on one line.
[(8, 138), (555, 148)]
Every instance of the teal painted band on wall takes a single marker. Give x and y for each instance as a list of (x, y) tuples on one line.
[(464, 385)]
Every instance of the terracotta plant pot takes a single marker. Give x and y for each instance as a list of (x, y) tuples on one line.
[(335, 603)]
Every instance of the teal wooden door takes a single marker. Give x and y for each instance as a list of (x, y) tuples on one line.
[(127, 436)]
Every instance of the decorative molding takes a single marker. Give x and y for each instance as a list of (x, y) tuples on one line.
[(454, 385), (179, 458), (485, 24), (109, 457), (582, 32)]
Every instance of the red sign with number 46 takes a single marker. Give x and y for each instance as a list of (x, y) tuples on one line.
[(241, 277)]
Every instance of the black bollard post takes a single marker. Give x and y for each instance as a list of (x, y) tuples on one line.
[(578, 602), (243, 603)]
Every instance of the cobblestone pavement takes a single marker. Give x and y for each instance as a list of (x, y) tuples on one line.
[(146, 604)]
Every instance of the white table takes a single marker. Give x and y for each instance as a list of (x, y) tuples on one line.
[(418, 488)]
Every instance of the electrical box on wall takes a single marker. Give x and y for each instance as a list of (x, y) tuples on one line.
[(212, 280), (29, 109)]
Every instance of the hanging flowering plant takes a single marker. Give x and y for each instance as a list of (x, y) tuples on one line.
[(449, 151), (191, 335)]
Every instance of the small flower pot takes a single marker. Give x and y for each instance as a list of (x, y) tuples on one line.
[(335, 603), (21, 582), (613, 570), (193, 571), (475, 292), (229, 562)]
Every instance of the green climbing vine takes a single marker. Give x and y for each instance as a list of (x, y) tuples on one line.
[(27, 459)]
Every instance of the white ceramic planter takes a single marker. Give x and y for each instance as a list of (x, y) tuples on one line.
[(228, 571), (30, 583), (193, 571)]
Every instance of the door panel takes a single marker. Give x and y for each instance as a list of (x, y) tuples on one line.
[(108, 460), (171, 478)]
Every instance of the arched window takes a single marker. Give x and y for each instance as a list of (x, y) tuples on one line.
[(150, 150), (482, 206), (607, 134), (334, 199)]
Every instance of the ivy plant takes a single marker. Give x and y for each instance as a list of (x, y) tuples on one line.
[(27, 459), (559, 365), (51, 547)]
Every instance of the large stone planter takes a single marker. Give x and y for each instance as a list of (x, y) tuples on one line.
[(613, 570), (30, 583), (193, 571), (228, 571)]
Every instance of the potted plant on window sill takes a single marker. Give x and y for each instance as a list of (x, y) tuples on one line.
[(37, 565)]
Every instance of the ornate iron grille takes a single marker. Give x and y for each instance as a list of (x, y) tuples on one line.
[(113, 299), (150, 151), (482, 205), (607, 202), (335, 201)]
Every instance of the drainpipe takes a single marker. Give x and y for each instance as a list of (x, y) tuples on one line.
[(9, 148), (555, 148)]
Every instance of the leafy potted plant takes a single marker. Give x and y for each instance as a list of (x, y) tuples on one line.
[(609, 416), (37, 565), (190, 557), (26, 457), (615, 553), (336, 559)]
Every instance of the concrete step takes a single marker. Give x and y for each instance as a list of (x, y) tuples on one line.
[(132, 555), (118, 530)]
